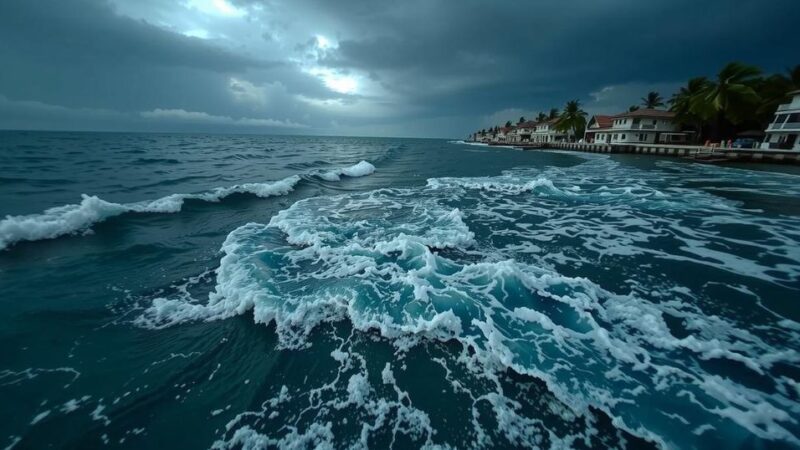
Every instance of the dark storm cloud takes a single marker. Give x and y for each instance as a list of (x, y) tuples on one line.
[(80, 54), (425, 67), (516, 52)]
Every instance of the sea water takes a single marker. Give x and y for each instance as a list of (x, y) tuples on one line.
[(298, 292)]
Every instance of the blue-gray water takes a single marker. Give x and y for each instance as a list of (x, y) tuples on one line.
[(246, 291)]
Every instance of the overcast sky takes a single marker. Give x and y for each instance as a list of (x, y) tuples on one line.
[(426, 68)]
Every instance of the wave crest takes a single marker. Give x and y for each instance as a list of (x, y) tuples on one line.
[(75, 218)]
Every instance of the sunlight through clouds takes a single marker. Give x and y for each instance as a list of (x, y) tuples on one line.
[(216, 7)]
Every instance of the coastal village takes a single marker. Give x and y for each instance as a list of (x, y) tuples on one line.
[(700, 122)]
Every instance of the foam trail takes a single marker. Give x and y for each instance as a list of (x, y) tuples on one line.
[(361, 169), (415, 266)]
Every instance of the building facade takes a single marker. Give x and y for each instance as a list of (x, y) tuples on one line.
[(783, 131), (545, 132), (597, 124), (524, 132), (644, 126)]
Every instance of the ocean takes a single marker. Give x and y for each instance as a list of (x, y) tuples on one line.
[(214, 291)]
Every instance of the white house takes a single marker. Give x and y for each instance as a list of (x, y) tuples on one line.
[(783, 131), (502, 134), (546, 132), (524, 131), (597, 124), (644, 126)]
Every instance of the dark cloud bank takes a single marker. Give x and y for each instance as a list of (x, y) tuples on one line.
[(415, 68)]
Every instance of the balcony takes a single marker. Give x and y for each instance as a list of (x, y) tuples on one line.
[(788, 107), (788, 126)]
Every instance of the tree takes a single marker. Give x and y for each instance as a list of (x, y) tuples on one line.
[(521, 119), (633, 108), (573, 118), (681, 104), (774, 91), (653, 100), (553, 113), (730, 99), (542, 117), (508, 124)]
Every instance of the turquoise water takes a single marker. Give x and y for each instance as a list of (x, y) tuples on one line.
[(241, 291)]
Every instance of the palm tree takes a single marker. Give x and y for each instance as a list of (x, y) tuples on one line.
[(731, 97), (682, 102), (653, 100), (541, 117), (573, 118), (508, 124), (521, 119), (553, 113), (633, 108), (773, 91)]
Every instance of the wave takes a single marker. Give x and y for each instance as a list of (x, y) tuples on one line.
[(75, 218), (361, 169), (412, 267)]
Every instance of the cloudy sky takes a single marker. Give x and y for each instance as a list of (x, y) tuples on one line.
[(427, 68)]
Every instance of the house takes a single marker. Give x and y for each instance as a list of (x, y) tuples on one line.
[(524, 132), (643, 126), (502, 134), (546, 132), (782, 132), (596, 124)]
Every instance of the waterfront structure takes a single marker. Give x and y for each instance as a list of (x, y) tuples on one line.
[(546, 132), (783, 131), (643, 126), (524, 132), (596, 124), (502, 135)]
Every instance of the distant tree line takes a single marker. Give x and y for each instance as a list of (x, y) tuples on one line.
[(739, 98)]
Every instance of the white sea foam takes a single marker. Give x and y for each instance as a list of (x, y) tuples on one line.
[(361, 169), (75, 218), (412, 266)]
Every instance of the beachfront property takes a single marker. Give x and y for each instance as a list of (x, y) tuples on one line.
[(643, 126), (523, 132), (597, 124), (502, 135), (784, 129), (546, 132)]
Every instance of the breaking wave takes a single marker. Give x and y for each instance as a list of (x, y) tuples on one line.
[(358, 170), (494, 265), (74, 218)]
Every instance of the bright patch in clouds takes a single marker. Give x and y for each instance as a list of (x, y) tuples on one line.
[(198, 33), (324, 43), (216, 8), (335, 81)]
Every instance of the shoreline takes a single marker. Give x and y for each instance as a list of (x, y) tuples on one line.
[(696, 153)]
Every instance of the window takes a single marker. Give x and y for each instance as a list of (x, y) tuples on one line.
[(624, 136), (615, 137)]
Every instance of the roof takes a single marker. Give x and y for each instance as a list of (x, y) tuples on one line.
[(506, 129), (647, 113), (603, 121), (528, 124)]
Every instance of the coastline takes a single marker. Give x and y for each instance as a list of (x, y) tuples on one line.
[(696, 153)]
